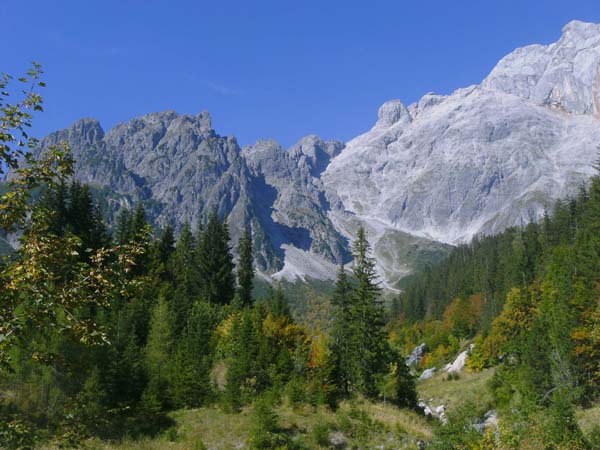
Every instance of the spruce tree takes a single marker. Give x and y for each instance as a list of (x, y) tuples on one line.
[(84, 219), (139, 223), (123, 233), (245, 269), (166, 244), (158, 355), (278, 306), (342, 334), (241, 359), (370, 341), (185, 272), (191, 385), (215, 262)]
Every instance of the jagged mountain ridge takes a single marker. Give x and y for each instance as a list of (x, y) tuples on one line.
[(181, 170), (437, 172)]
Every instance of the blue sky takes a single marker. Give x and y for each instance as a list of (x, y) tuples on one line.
[(264, 69)]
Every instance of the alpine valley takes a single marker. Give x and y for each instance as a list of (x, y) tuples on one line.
[(425, 177)]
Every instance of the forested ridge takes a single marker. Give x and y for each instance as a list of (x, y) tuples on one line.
[(529, 299)]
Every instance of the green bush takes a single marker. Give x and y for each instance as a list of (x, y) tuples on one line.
[(594, 437), (296, 391), (15, 433), (320, 434), (459, 432), (265, 433)]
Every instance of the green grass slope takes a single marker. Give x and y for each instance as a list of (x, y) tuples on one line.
[(362, 424)]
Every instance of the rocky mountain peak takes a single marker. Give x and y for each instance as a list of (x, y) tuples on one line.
[(576, 29), (479, 160), (314, 153), (205, 120), (392, 112), (564, 75), (89, 130)]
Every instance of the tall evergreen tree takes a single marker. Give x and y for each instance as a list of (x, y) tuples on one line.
[(342, 334), (215, 262), (370, 343), (241, 361), (245, 269), (123, 230), (158, 356), (186, 276), (191, 385), (278, 306), (166, 244)]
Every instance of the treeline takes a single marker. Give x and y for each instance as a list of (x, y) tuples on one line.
[(529, 298), (490, 266), (181, 329)]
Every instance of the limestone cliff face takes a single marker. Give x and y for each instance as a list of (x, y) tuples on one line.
[(181, 169), (485, 157)]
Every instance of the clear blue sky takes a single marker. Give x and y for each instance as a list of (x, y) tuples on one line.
[(265, 69)]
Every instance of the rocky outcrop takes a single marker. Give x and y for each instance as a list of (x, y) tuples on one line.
[(181, 170), (298, 199), (489, 420), (416, 355), (427, 374), (438, 412), (460, 361)]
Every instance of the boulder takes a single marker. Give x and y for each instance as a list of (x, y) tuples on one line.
[(489, 420), (338, 440), (459, 363), (416, 355), (427, 374)]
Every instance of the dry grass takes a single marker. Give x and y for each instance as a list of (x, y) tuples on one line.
[(469, 388), (588, 419), (221, 431), (412, 423), (385, 425)]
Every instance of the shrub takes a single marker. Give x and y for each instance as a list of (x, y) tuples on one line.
[(264, 433), (320, 434)]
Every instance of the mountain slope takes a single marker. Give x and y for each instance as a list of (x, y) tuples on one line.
[(181, 170), (426, 176), (485, 157)]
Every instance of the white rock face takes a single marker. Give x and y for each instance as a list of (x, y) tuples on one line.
[(427, 374), (458, 364), (300, 264), (489, 420), (461, 360), (483, 158), (439, 412)]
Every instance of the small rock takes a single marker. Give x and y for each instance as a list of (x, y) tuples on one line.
[(490, 419), (439, 412), (338, 440), (428, 373)]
